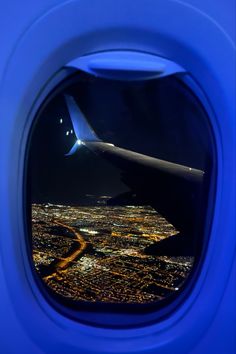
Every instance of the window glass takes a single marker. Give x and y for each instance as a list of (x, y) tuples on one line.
[(118, 178)]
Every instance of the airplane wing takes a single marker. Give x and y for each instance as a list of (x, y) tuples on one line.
[(174, 190)]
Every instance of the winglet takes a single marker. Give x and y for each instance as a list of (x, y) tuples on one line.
[(82, 129)]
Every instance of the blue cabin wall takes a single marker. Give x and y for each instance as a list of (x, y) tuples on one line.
[(16, 17)]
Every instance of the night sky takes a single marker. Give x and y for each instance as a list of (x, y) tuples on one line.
[(160, 118)]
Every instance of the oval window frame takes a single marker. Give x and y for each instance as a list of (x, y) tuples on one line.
[(111, 316)]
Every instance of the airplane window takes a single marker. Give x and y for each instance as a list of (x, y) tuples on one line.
[(118, 179)]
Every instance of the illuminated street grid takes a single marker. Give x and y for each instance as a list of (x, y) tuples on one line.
[(97, 253)]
